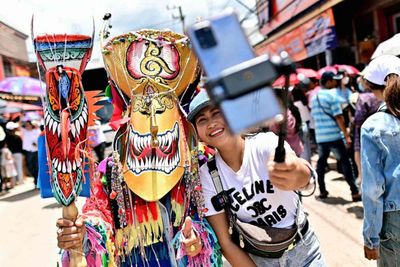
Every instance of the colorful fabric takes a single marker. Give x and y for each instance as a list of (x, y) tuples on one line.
[(367, 104), (150, 183)]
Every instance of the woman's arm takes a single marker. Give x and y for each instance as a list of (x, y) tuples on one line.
[(292, 174), (373, 186), (235, 255)]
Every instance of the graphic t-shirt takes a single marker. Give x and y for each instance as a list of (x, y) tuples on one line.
[(253, 197)]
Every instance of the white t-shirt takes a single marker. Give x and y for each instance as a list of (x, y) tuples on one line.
[(30, 139), (254, 198)]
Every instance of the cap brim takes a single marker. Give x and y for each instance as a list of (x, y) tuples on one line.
[(338, 77), (195, 111)]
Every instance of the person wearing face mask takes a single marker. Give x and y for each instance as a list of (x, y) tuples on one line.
[(343, 90)]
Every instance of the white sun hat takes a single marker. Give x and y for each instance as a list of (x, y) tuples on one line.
[(380, 67)]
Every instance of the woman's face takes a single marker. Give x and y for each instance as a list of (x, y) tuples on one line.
[(211, 127)]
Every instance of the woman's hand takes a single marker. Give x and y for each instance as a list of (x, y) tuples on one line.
[(70, 234), (291, 174), (192, 242), (371, 254)]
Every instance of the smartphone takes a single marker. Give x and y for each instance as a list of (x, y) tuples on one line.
[(220, 44)]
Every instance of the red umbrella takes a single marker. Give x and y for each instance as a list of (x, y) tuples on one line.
[(351, 70), (296, 78), (325, 69)]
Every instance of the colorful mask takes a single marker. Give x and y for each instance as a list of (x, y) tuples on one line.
[(66, 109), (153, 68)]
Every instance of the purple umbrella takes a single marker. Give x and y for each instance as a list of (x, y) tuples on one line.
[(22, 86)]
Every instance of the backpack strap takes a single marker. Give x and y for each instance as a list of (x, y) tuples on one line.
[(383, 108), (326, 112)]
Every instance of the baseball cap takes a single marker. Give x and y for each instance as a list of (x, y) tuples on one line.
[(380, 67), (11, 125), (329, 75), (200, 101)]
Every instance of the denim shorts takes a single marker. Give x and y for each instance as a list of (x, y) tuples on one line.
[(307, 252)]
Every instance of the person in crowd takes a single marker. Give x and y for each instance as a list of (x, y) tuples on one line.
[(2, 137), (97, 140), (300, 100), (243, 163), (30, 135), (380, 161), (330, 130), (14, 143), (310, 90), (8, 170), (293, 125), (366, 105)]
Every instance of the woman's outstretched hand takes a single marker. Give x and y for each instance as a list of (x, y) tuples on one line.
[(291, 174)]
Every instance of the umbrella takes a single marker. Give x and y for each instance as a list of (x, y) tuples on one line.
[(325, 69), (22, 86), (17, 107), (389, 47), (351, 70), (296, 78)]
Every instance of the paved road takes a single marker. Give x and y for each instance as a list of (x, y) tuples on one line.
[(27, 227)]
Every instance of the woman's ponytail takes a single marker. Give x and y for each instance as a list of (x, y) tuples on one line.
[(391, 94)]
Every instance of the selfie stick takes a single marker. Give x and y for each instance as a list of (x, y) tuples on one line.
[(287, 69)]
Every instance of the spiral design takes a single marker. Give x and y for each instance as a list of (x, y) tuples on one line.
[(152, 64)]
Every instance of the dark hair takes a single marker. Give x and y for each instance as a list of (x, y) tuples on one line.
[(298, 95), (392, 94), (374, 86), (293, 109)]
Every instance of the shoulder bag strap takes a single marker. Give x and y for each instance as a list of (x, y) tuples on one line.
[(212, 168), (330, 115)]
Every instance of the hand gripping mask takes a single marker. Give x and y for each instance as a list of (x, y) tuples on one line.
[(153, 68)]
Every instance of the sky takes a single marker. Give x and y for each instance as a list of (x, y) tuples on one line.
[(76, 16)]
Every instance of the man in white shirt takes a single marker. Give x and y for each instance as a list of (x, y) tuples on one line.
[(30, 135)]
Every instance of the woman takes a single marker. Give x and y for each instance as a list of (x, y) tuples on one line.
[(380, 162), (261, 191)]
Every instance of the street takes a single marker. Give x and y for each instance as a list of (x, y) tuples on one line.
[(28, 231)]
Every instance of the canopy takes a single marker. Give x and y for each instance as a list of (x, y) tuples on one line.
[(389, 47), (296, 78), (22, 86)]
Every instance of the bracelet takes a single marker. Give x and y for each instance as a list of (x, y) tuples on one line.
[(311, 180)]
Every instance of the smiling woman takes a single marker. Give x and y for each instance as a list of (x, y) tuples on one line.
[(242, 186)]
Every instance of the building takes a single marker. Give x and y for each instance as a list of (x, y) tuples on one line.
[(13, 53), (317, 33)]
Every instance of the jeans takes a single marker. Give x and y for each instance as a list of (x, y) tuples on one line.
[(338, 148), (306, 253), (32, 164), (389, 248), (18, 164)]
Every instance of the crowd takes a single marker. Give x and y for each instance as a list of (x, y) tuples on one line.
[(19, 151), (19, 158)]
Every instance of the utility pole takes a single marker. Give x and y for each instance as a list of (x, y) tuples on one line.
[(181, 17)]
